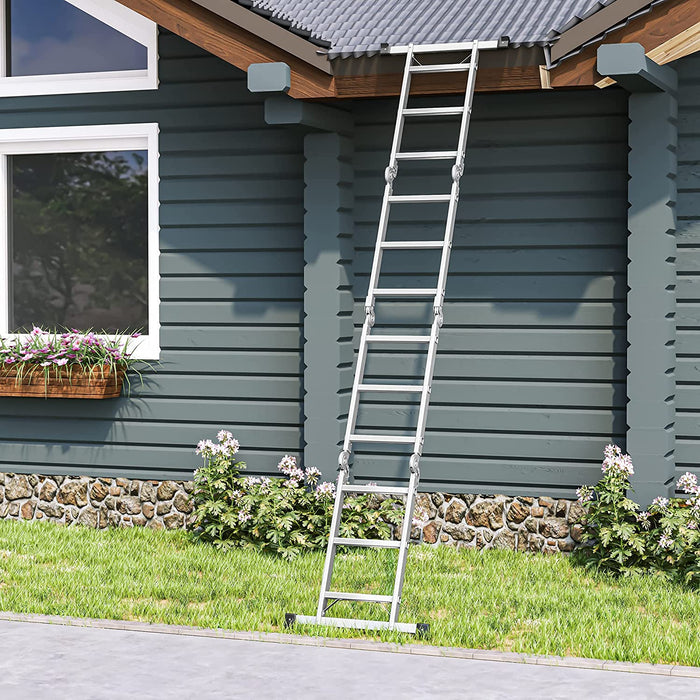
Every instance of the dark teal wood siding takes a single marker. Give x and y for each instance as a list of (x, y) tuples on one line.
[(231, 288), (530, 379), (530, 376), (688, 269)]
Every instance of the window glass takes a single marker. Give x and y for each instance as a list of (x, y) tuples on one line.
[(48, 37), (79, 241)]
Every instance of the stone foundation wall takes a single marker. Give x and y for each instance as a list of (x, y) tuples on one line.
[(501, 522), (95, 502), (524, 524)]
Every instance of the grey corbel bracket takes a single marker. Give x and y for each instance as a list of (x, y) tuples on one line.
[(281, 109), (633, 70)]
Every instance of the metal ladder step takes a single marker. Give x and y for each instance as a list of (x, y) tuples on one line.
[(433, 111), (426, 155), (371, 488), (417, 198), (391, 387), (412, 245), (441, 68), (406, 292), (383, 439), (379, 544), (366, 597), (398, 338)]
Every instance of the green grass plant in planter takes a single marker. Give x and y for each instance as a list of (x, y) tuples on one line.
[(70, 364), (285, 515)]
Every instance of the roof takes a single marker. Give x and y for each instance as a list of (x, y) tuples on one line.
[(353, 28)]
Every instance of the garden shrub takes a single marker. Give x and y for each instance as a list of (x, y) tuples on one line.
[(623, 539), (285, 515)]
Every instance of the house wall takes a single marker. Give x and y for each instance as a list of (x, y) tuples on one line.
[(688, 269), (231, 285), (530, 376)]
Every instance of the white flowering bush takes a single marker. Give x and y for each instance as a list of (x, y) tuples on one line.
[(285, 515), (623, 539)]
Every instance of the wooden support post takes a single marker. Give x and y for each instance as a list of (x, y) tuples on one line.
[(328, 298), (651, 272)]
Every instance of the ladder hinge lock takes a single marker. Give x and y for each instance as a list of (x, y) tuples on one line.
[(457, 171), (438, 316), (414, 463), (369, 316), (390, 174), (344, 461)]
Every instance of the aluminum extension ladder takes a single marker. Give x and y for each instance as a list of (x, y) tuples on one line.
[(329, 597)]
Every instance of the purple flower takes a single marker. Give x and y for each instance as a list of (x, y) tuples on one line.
[(135, 335), (61, 362)]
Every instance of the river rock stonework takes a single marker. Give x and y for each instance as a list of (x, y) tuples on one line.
[(500, 522), (98, 503), (464, 520)]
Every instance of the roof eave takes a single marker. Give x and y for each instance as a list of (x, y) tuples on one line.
[(595, 25)]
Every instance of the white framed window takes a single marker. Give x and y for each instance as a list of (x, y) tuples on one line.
[(52, 47), (79, 231)]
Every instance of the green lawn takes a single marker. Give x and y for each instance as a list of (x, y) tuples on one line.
[(491, 600)]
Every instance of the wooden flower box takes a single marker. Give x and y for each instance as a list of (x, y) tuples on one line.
[(95, 383)]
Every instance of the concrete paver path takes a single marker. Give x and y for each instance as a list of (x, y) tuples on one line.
[(81, 663)]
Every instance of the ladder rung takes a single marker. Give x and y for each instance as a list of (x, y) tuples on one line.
[(433, 111), (367, 488), (367, 597), (407, 292), (354, 542), (411, 245), (417, 198), (398, 339), (441, 68), (388, 439), (426, 155), (391, 387)]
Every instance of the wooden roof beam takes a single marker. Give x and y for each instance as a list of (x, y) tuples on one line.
[(235, 45), (671, 30)]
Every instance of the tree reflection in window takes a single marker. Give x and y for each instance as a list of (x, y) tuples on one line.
[(79, 237)]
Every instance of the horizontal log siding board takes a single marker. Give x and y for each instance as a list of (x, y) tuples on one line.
[(231, 287), (688, 269), (530, 376)]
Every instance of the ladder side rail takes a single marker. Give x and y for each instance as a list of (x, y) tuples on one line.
[(427, 387), (457, 172), (403, 550), (330, 551), (356, 382), (389, 175), (446, 251), (377, 260)]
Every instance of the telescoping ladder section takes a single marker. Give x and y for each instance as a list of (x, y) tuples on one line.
[(329, 597)]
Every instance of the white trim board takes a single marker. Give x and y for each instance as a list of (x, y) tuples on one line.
[(111, 13), (77, 139)]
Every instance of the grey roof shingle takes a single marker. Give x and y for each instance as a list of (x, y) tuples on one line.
[(359, 27)]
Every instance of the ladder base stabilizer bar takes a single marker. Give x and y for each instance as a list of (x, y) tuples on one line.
[(420, 629)]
